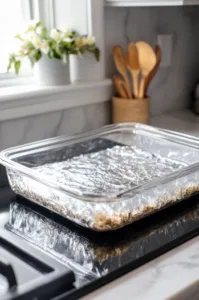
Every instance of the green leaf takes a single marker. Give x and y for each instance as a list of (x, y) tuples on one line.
[(32, 61), (17, 66), (74, 51), (81, 51), (56, 55), (50, 54), (97, 54), (18, 36), (34, 56), (59, 49), (9, 65), (38, 24), (37, 55), (11, 61), (44, 33)]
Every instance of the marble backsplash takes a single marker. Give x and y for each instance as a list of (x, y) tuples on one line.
[(34, 128), (43, 126), (172, 87)]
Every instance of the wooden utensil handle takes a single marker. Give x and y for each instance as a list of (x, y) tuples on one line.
[(142, 88), (121, 91), (135, 83), (127, 86), (121, 86), (127, 91)]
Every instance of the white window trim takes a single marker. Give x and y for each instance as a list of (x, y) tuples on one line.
[(44, 11), (32, 9), (6, 79)]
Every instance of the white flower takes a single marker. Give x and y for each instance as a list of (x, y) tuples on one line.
[(90, 40), (84, 41), (56, 35), (65, 31), (44, 47), (67, 39), (68, 32), (23, 50), (79, 42), (31, 26), (36, 41), (28, 36), (39, 30)]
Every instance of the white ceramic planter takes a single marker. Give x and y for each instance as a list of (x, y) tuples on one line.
[(51, 72), (85, 68)]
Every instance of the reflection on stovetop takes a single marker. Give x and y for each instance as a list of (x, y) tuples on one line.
[(92, 255), (3, 285)]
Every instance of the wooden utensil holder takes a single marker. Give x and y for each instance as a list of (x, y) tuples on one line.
[(130, 110)]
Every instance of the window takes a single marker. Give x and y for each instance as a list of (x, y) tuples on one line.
[(25, 97), (11, 19), (51, 13)]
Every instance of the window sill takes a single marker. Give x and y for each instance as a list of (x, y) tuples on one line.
[(139, 3), (22, 101)]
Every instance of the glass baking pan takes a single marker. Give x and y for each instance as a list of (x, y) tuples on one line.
[(107, 178)]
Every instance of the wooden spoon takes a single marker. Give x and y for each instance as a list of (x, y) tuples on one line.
[(120, 86), (133, 66), (121, 67), (147, 59), (155, 69)]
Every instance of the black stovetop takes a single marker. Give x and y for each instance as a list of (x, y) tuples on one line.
[(27, 272), (94, 258)]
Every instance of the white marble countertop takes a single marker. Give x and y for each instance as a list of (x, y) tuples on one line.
[(174, 275), (184, 121)]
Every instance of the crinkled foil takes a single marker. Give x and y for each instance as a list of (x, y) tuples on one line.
[(82, 254), (107, 172)]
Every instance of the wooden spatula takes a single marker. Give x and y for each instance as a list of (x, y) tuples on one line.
[(120, 86), (147, 59), (155, 69), (133, 66), (121, 67)]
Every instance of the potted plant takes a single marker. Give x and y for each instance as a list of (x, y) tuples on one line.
[(84, 59), (48, 52)]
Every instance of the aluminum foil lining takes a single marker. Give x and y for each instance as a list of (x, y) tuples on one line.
[(85, 257), (109, 171)]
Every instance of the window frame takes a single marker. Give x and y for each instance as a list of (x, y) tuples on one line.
[(20, 97), (45, 11), (27, 12)]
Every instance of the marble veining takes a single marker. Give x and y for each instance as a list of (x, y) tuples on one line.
[(172, 276), (70, 121), (172, 87)]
